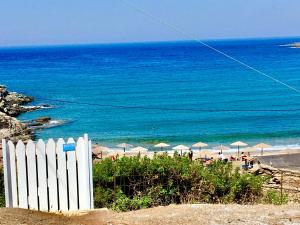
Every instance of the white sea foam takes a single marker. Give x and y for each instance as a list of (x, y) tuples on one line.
[(54, 122)]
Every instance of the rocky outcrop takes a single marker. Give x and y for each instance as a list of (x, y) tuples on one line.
[(13, 104), (293, 45), (13, 129), (43, 123)]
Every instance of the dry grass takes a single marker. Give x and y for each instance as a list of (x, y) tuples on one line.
[(170, 215)]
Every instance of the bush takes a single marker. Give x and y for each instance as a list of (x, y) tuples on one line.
[(135, 182), (103, 197), (274, 197), (123, 203)]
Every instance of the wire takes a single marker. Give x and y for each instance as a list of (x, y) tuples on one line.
[(194, 38), (168, 109)]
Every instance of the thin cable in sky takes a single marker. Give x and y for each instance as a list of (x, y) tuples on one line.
[(194, 38)]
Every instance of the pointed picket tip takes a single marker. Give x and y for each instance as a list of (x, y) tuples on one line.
[(50, 146), (40, 142), (41, 147), (10, 144), (71, 140), (51, 141), (60, 141), (20, 144), (30, 143), (30, 146), (80, 141)]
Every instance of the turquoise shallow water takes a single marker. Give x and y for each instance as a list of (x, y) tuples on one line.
[(177, 75)]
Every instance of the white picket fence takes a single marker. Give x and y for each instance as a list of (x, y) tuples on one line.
[(44, 176)]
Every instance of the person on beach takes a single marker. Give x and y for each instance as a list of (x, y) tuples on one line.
[(232, 158), (191, 155), (221, 156), (209, 161), (243, 156)]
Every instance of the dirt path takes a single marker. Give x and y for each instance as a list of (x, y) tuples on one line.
[(170, 215)]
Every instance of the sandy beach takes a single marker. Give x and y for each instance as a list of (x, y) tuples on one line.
[(286, 158)]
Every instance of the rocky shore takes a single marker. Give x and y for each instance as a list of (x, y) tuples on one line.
[(13, 104), (293, 45)]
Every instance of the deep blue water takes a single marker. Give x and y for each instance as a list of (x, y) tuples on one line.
[(174, 75)]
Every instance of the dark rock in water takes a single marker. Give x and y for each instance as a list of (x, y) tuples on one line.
[(43, 123), (42, 120)]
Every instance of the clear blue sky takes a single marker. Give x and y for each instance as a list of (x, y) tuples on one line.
[(38, 22)]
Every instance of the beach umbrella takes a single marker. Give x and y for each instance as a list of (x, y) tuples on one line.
[(161, 145), (139, 149), (239, 144), (124, 146), (262, 146), (200, 145), (222, 148), (181, 148)]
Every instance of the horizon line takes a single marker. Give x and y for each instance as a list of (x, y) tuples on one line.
[(144, 42)]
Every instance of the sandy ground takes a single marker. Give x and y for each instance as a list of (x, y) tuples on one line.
[(170, 215), (197, 154), (282, 161)]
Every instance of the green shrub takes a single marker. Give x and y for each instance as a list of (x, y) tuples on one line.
[(274, 197), (103, 197), (142, 182), (124, 203)]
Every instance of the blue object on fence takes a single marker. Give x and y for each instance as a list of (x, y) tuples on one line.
[(69, 147)]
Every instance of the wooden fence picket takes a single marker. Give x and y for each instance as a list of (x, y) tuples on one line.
[(32, 176), (48, 177), (91, 175), (52, 175), (62, 176), (72, 177), (6, 174), (22, 175), (42, 175), (83, 180), (13, 173)]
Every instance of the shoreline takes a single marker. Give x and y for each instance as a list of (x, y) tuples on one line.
[(12, 105)]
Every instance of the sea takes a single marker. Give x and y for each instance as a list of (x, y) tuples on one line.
[(174, 92)]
